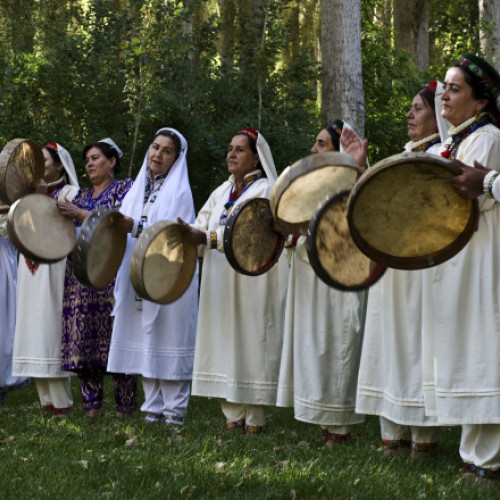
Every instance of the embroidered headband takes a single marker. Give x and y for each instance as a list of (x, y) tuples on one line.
[(473, 65), (253, 134), (51, 145), (335, 126)]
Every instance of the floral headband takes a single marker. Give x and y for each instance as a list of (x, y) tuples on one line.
[(476, 70), (335, 128), (52, 145), (253, 134)]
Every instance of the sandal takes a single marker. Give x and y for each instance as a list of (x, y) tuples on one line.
[(152, 418), (253, 430), (335, 439), (237, 425)]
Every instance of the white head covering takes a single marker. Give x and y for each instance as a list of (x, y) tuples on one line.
[(173, 200), (266, 159), (68, 165), (443, 124), (113, 144)]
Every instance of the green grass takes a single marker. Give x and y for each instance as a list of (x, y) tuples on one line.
[(76, 458)]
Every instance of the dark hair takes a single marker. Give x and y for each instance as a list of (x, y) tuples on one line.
[(333, 128), (56, 159), (175, 138), (427, 96), (107, 150), (253, 146)]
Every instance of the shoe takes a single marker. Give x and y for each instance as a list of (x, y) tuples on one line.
[(174, 421), (152, 418), (335, 439), (237, 425), (253, 430)]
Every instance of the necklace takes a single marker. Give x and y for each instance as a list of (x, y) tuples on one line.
[(425, 143), (458, 134)]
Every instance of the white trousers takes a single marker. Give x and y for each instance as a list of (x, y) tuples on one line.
[(166, 397), (55, 392), (480, 445), (391, 431), (253, 415)]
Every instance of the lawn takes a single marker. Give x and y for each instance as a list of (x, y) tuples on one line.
[(126, 458)]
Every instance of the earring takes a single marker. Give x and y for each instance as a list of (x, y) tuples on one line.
[(477, 116)]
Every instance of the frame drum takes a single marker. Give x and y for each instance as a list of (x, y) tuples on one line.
[(21, 166), (404, 213), (303, 186), (333, 254), (99, 248), (163, 263), (251, 245), (38, 230)]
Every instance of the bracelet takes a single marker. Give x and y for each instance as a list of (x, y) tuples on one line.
[(488, 180), (212, 239)]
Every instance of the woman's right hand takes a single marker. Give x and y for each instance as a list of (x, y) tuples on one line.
[(70, 210), (192, 235)]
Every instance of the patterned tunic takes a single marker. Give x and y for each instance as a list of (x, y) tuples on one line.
[(87, 322)]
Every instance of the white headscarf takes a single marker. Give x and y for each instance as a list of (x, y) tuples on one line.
[(68, 165), (173, 200), (266, 159), (443, 124)]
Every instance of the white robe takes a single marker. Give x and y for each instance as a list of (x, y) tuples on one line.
[(321, 347), (390, 374), (462, 312), (240, 324), (37, 342)]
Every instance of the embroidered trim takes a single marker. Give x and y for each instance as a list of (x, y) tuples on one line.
[(458, 134), (425, 143), (213, 239)]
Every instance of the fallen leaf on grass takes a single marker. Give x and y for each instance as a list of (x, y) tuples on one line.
[(84, 463), (131, 442), (303, 444)]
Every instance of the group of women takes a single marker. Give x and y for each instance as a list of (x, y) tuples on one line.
[(427, 355)]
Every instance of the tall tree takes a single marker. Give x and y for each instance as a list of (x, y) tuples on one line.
[(411, 29), (489, 14), (341, 76)]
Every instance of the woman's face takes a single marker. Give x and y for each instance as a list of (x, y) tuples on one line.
[(323, 142), (240, 158), (459, 105), (99, 168), (421, 119), (52, 171), (161, 155)]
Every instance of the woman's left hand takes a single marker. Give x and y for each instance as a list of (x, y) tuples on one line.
[(70, 210), (469, 183)]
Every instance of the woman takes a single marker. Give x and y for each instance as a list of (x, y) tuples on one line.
[(390, 376), (462, 295), (8, 277), (157, 341), (37, 343), (239, 333), (86, 310), (322, 340)]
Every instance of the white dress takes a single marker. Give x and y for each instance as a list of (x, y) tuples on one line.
[(37, 343), (462, 312), (8, 274), (240, 324), (390, 375), (321, 347)]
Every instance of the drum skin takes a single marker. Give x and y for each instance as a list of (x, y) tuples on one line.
[(163, 263), (99, 250), (251, 245), (21, 167), (332, 253), (404, 213), (304, 186), (38, 230)]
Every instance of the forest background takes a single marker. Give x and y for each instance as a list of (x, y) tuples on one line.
[(75, 71)]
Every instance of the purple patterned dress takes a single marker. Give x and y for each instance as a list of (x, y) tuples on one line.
[(87, 322)]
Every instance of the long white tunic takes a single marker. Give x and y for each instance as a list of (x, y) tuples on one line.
[(390, 375), (166, 351), (37, 342), (321, 347), (462, 312), (240, 325)]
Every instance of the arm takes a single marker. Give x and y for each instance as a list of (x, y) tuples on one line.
[(470, 183)]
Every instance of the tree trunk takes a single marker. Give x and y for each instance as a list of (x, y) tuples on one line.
[(341, 77), (411, 29), (489, 14)]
